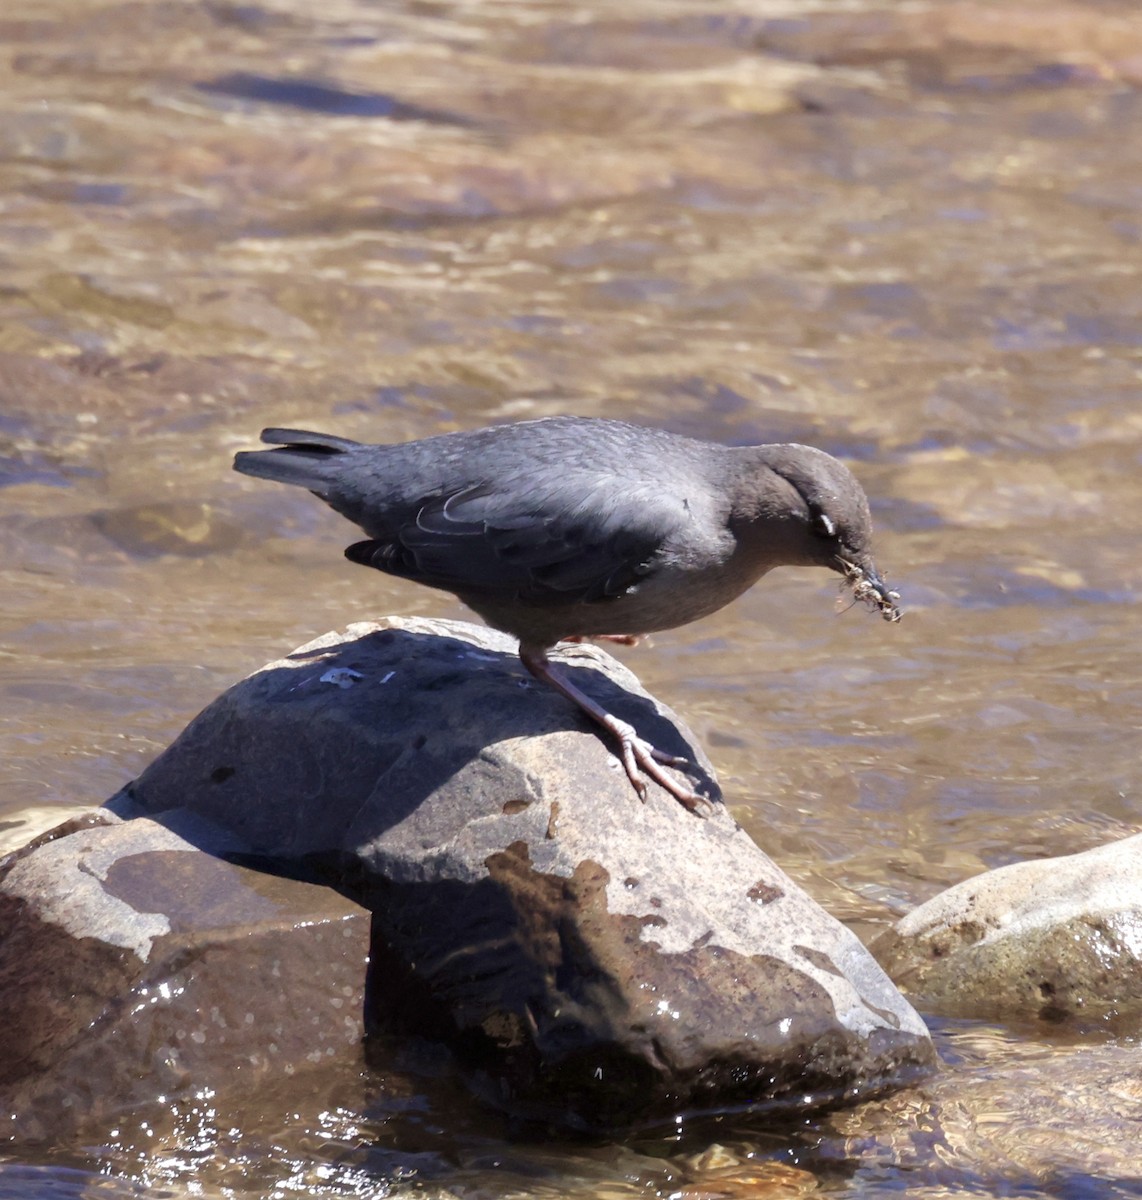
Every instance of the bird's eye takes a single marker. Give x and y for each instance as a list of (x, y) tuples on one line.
[(823, 525)]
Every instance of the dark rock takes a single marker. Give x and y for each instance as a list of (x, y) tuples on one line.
[(590, 958), (1056, 938), (134, 965)]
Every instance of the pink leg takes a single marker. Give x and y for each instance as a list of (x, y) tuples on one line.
[(635, 752)]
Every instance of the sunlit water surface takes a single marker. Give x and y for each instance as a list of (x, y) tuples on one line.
[(909, 234)]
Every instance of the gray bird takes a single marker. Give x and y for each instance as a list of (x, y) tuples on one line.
[(571, 527)]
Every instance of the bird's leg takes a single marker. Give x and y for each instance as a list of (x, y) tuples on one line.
[(635, 752)]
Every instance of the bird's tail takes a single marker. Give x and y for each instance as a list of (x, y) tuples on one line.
[(302, 458)]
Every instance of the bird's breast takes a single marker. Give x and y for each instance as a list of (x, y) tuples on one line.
[(677, 592)]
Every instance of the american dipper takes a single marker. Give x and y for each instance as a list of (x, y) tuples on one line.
[(572, 527)]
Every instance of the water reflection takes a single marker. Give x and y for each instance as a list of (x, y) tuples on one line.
[(908, 235)]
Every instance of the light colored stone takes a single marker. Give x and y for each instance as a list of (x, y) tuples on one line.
[(1055, 937)]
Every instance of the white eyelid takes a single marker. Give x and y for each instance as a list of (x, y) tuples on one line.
[(825, 525)]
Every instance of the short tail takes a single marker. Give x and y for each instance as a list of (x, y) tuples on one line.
[(302, 458)]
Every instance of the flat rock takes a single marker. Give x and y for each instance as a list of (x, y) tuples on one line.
[(1054, 938), (589, 958), (134, 966)]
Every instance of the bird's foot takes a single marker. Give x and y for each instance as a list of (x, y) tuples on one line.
[(639, 755)]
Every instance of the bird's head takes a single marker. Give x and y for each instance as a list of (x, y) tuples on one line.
[(836, 529)]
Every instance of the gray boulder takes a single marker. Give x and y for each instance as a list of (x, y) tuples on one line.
[(589, 958), (134, 967), (1054, 938)]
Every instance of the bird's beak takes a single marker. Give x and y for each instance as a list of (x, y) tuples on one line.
[(870, 589)]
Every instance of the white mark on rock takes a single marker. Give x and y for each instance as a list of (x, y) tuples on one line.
[(342, 677)]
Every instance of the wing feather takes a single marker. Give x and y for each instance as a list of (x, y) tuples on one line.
[(586, 539)]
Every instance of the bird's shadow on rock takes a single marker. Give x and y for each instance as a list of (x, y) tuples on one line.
[(306, 764)]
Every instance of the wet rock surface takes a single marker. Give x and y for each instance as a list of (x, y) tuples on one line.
[(590, 958), (135, 968), (1054, 938), (1037, 1121)]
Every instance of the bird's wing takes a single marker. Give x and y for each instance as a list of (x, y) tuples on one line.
[(590, 537)]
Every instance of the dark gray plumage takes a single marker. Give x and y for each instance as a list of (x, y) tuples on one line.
[(572, 527)]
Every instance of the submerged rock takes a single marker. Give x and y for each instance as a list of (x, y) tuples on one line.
[(1033, 1120), (1056, 938), (589, 958), (135, 966)]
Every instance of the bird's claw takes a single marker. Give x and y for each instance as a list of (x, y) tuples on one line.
[(638, 756)]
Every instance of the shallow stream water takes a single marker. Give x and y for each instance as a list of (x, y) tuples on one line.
[(909, 233)]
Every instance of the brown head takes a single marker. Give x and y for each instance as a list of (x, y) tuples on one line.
[(835, 524)]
